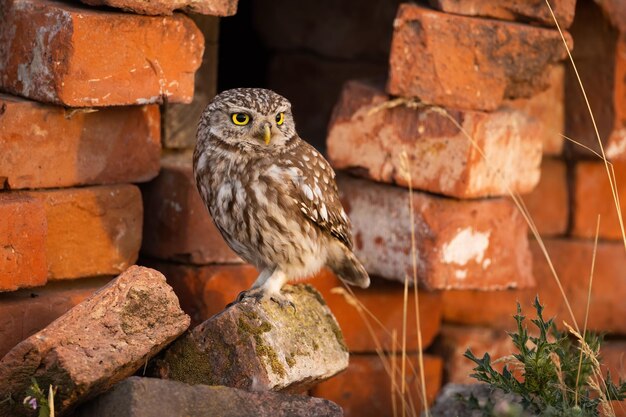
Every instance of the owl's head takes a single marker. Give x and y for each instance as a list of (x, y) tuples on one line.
[(249, 118)]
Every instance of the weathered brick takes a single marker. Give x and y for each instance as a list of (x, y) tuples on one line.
[(96, 344), (517, 10), (151, 397), (207, 290), (178, 226), (615, 11), (362, 28), (25, 312), (471, 244), (364, 389), (548, 107), (260, 346), (593, 197), (453, 341), (23, 231), (43, 146), (548, 204), (371, 139), (298, 76), (385, 301), (572, 262), (613, 354), (180, 121), (71, 55), (92, 230), (167, 7), (467, 62), (597, 42)]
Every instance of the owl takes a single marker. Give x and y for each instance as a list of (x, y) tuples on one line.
[(272, 196)]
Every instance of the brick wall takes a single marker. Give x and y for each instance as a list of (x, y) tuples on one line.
[(86, 114)]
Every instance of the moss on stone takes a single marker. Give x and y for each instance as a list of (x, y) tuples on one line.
[(262, 349), (185, 362)]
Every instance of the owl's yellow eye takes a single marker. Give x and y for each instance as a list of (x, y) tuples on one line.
[(280, 118), (240, 119)]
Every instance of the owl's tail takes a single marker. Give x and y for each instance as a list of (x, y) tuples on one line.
[(348, 268)]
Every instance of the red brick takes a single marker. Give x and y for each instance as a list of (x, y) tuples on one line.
[(615, 11), (371, 139), (385, 301), (517, 10), (572, 262), (548, 107), (593, 197), (101, 341), (460, 244), (455, 340), (178, 226), (167, 7), (22, 242), (81, 57), (364, 389), (466, 62), (548, 204), (25, 312), (613, 355), (92, 230), (207, 290), (299, 76), (43, 146), (597, 42)]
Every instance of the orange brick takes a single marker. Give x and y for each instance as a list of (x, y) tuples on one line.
[(572, 262), (547, 107), (593, 197), (455, 340), (205, 291), (166, 7), (178, 226), (615, 11), (92, 230), (364, 389), (22, 242), (613, 357), (460, 244), (466, 62), (74, 56), (548, 204), (518, 10), (371, 140), (385, 301), (597, 42), (25, 312), (43, 146)]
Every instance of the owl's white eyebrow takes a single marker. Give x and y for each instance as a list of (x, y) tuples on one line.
[(235, 109)]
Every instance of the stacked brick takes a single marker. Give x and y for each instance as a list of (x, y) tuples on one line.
[(80, 124)]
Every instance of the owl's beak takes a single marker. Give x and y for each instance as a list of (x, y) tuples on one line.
[(267, 134)]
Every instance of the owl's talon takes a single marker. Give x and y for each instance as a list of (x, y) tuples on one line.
[(283, 301)]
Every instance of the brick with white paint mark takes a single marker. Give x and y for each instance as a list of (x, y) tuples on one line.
[(471, 244), (467, 62), (370, 138), (45, 146), (66, 54)]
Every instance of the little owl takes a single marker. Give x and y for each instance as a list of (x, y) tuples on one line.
[(271, 194)]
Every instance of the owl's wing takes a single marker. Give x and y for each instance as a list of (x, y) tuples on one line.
[(317, 196)]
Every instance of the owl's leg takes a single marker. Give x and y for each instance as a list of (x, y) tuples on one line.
[(269, 284)]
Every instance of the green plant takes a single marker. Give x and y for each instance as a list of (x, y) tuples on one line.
[(557, 379), (37, 399)]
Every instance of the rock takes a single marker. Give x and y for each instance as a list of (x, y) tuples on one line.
[(101, 341), (460, 244), (149, 397), (261, 346), (23, 231), (518, 10), (178, 226), (452, 402), (77, 56), (167, 7), (467, 62), (44, 146), (370, 139)]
